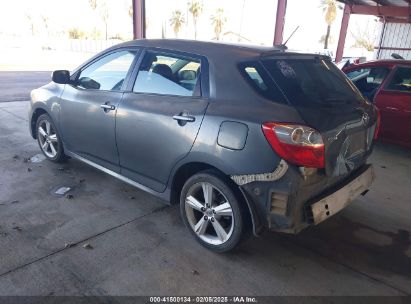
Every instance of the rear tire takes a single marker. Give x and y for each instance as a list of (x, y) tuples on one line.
[(212, 212), (49, 140)]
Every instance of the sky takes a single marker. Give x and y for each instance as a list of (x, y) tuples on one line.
[(253, 19)]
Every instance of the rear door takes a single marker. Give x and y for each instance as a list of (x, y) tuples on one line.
[(158, 120), (394, 103), (368, 79)]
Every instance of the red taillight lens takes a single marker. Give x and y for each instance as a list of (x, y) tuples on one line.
[(297, 144), (377, 127)]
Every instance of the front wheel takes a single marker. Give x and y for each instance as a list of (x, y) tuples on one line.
[(49, 139), (211, 212)]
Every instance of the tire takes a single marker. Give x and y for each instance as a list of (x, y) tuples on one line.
[(225, 211), (49, 140)]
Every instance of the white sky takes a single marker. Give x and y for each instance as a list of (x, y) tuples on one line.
[(258, 19)]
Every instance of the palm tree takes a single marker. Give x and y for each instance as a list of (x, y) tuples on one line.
[(103, 11), (329, 7), (93, 4), (195, 7), (176, 21), (218, 20)]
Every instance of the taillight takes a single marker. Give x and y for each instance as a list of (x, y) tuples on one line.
[(377, 127), (297, 144)]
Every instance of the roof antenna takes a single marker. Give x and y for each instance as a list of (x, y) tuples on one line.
[(283, 46)]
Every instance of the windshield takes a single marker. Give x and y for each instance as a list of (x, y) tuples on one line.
[(312, 82)]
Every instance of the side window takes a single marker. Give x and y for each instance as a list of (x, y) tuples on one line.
[(256, 78), (401, 81), (169, 75), (368, 80), (107, 73), (260, 82)]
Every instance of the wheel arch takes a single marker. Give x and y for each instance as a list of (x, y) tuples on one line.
[(185, 171), (33, 120)]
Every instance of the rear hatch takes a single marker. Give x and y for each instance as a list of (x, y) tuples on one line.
[(328, 102)]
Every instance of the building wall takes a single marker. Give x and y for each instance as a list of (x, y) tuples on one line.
[(397, 37)]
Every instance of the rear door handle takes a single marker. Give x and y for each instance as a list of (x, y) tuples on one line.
[(107, 107), (185, 118), (392, 108)]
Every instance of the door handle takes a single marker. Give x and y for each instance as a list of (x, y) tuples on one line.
[(107, 107), (185, 118)]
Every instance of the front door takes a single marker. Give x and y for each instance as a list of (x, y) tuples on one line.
[(394, 103), (158, 121), (89, 105)]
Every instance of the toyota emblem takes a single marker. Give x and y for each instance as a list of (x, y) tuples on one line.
[(365, 118)]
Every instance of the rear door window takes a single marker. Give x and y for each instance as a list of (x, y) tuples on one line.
[(312, 82), (168, 75), (401, 80)]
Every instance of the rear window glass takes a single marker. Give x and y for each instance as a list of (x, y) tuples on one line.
[(260, 81), (312, 82)]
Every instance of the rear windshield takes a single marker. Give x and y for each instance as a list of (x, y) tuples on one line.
[(312, 82)]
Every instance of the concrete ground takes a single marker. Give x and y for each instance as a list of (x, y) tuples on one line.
[(140, 246)]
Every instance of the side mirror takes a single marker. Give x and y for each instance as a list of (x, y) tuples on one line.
[(61, 76), (88, 83)]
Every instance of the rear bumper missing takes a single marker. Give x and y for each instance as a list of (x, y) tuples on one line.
[(293, 203), (335, 202)]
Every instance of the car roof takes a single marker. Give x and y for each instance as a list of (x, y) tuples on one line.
[(211, 48)]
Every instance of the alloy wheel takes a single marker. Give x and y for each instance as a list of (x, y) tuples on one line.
[(48, 138), (209, 213)]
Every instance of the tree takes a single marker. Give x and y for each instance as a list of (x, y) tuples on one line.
[(103, 11), (329, 7), (93, 4), (176, 21), (130, 11), (195, 7), (104, 17), (46, 23), (31, 22), (218, 20), (364, 37)]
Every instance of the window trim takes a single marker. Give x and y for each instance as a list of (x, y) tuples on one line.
[(204, 81), (391, 76), (76, 74)]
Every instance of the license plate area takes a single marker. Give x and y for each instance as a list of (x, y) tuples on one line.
[(338, 200)]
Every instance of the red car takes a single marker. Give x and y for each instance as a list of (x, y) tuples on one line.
[(387, 83)]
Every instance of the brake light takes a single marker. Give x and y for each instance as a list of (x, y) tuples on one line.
[(297, 144), (377, 127)]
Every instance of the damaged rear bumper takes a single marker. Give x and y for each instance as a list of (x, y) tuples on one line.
[(293, 202), (335, 202)]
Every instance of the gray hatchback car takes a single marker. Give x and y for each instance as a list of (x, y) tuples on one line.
[(243, 138)]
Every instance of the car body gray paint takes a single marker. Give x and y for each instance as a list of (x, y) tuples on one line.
[(229, 98)]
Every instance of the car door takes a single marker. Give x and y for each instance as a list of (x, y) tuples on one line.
[(158, 120), (394, 103), (368, 79), (88, 107)]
